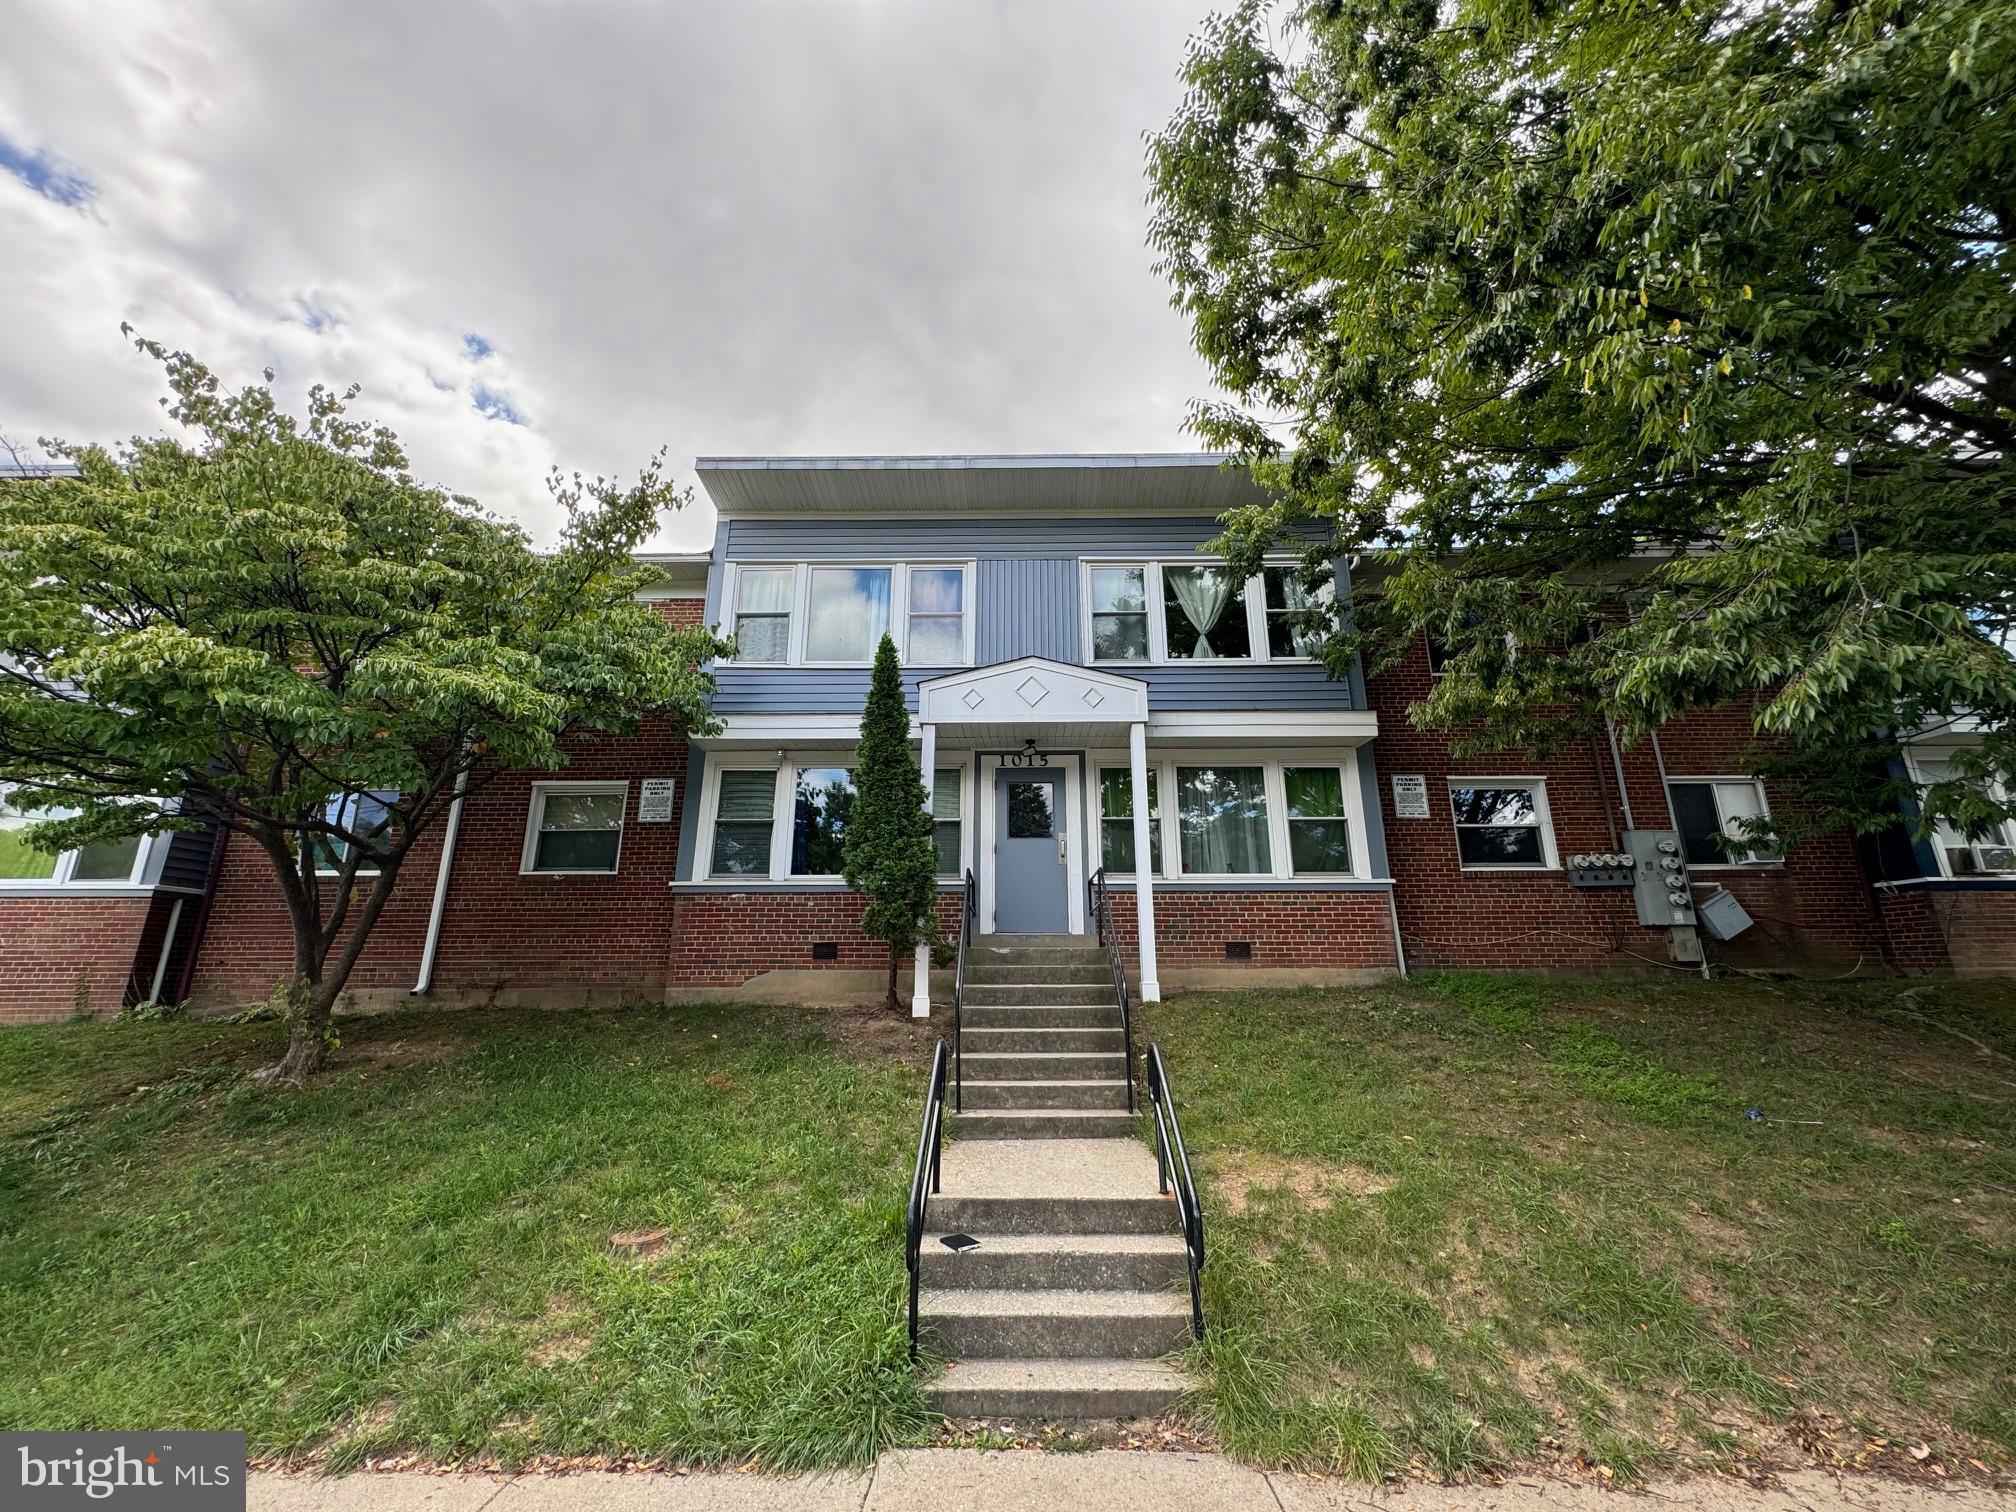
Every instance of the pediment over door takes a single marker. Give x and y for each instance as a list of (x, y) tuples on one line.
[(1032, 690)]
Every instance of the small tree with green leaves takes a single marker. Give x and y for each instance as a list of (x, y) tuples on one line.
[(276, 629), (889, 858)]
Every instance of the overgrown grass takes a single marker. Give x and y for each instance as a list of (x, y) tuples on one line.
[(1472, 1220), (417, 1252)]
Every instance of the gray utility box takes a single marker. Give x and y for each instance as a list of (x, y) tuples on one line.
[(1722, 915), (1659, 883)]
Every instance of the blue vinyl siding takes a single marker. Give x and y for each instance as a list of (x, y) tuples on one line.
[(1025, 604)]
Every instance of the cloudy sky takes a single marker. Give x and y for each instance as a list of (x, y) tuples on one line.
[(544, 234)]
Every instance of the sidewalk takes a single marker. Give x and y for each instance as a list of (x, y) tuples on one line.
[(951, 1480)]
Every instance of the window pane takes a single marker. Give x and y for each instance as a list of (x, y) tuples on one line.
[(848, 614), (1029, 815), (582, 811), (1285, 597), (1116, 807), (1120, 637), (576, 850), (742, 824), (945, 793), (1319, 845), (17, 862), (819, 820), (1482, 805), (108, 861), (937, 590), (1222, 818), (945, 838), (1204, 613), (1500, 846), (1119, 590), (1694, 811), (1314, 792), (763, 638), (764, 590), (937, 640)]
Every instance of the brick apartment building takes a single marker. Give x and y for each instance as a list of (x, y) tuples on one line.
[(1086, 688)]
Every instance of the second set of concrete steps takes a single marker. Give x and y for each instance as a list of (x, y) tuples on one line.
[(1044, 1056), (1077, 1288)]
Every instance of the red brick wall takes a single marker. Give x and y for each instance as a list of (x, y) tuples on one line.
[(572, 938), (63, 956), (1942, 929), (725, 939), (1816, 910), (1285, 929)]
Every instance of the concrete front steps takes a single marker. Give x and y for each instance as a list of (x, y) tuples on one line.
[(1079, 1286)]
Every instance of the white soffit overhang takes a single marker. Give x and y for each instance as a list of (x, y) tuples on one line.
[(1176, 483)]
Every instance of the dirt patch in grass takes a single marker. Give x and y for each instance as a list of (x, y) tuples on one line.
[(877, 1034), (394, 1054), (1315, 1184)]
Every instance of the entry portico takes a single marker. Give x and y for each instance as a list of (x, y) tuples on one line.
[(1027, 722)]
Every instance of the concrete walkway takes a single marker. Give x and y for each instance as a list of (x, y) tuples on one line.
[(951, 1480)]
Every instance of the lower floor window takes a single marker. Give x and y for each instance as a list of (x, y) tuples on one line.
[(945, 819), (1221, 816), (368, 816), (101, 861), (1499, 823), (825, 797), (1989, 853), (1319, 838), (576, 827), (742, 818), (1710, 814), (1116, 821)]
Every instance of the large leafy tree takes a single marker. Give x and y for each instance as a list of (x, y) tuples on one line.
[(272, 626), (889, 858), (1654, 357)]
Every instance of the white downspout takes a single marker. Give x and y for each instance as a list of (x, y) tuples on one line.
[(167, 944), (920, 990), (433, 945)]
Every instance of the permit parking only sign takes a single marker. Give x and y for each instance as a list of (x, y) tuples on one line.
[(129, 1472)]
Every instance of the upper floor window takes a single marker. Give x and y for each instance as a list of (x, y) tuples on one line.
[(835, 614), (1710, 811), (106, 862), (1189, 611)]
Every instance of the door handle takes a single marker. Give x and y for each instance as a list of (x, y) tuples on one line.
[(1060, 851)]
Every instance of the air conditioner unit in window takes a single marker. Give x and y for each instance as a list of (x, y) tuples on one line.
[(1996, 858)]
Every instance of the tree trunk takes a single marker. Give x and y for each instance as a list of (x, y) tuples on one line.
[(895, 1004), (308, 1009)]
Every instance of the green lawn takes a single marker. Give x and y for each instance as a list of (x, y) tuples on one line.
[(1471, 1220), (417, 1251)]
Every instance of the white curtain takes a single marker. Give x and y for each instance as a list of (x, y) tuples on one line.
[(1222, 812), (1202, 593)]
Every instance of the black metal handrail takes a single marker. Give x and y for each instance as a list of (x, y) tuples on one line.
[(1100, 895), (969, 916), (1172, 1166), (930, 1144)]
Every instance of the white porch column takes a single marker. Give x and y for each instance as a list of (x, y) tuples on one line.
[(920, 992), (1144, 862)]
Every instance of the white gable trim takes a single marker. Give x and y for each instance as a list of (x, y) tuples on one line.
[(1032, 690)]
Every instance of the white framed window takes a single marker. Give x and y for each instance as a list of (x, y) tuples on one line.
[(367, 815), (834, 614), (762, 622), (107, 863), (1502, 823), (1990, 854), (1168, 612), (575, 828), (948, 830), (1233, 814), (1709, 811), (771, 821), (1116, 820)]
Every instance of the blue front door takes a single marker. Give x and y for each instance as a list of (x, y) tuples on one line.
[(1029, 874)]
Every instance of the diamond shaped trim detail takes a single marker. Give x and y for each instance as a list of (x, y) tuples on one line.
[(971, 698), (1093, 698), (1032, 690)]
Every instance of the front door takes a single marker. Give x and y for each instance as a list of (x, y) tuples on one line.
[(1029, 873)]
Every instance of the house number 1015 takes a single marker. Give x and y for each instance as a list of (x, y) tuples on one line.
[(1026, 759)]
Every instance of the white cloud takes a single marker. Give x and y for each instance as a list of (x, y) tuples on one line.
[(765, 227)]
